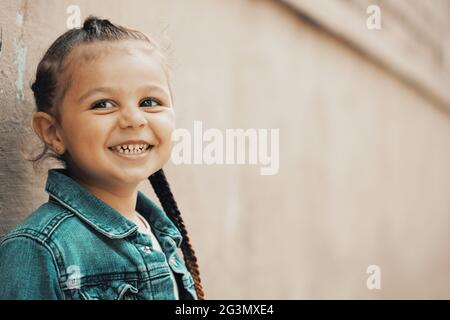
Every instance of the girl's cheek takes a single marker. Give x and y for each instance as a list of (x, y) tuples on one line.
[(164, 125)]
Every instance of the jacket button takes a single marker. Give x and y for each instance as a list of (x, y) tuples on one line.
[(171, 242), (146, 249)]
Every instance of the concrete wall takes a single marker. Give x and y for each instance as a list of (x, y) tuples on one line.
[(364, 172)]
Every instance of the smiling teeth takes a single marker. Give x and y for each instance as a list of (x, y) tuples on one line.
[(131, 148)]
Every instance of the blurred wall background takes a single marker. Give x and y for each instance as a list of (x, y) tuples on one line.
[(363, 114)]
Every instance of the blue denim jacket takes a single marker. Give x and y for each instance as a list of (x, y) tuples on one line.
[(76, 246)]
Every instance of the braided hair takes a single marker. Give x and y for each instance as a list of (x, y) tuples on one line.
[(162, 189), (49, 88)]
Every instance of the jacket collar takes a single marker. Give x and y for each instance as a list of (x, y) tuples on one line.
[(105, 219)]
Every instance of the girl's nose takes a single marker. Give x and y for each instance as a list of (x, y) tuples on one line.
[(132, 117)]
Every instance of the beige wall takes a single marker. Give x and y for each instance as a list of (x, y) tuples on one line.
[(364, 155)]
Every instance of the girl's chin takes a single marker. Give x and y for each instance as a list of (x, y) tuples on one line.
[(133, 175)]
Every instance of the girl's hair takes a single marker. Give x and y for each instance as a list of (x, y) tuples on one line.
[(49, 91)]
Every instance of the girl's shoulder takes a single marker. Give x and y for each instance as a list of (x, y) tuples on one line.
[(41, 224), (31, 250)]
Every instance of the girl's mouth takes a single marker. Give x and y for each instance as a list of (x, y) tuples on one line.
[(132, 150)]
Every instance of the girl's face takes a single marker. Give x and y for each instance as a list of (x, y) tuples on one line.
[(116, 118)]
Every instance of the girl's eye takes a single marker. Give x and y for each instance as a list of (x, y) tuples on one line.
[(102, 104), (106, 104), (150, 102)]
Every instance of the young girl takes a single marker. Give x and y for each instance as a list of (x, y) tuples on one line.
[(104, 107)]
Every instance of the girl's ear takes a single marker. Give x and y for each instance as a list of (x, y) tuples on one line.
[(45, 126)]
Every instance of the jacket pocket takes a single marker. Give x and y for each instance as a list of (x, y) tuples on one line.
[(112, 290)]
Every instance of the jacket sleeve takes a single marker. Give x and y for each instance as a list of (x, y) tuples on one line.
[(27, 271)]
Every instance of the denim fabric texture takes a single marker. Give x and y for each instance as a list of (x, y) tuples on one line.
[(76, 246)]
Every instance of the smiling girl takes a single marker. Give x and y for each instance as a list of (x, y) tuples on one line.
[(104, 108)]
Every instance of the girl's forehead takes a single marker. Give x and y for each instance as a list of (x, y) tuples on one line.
[(85, 58), (96, 64)]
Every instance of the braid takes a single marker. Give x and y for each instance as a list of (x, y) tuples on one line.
[(162, 189)]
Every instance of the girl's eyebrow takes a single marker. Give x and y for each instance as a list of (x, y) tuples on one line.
[(154, 87), (111, 90), (92, 91)]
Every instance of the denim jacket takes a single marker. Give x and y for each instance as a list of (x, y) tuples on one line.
[(76, 246)]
